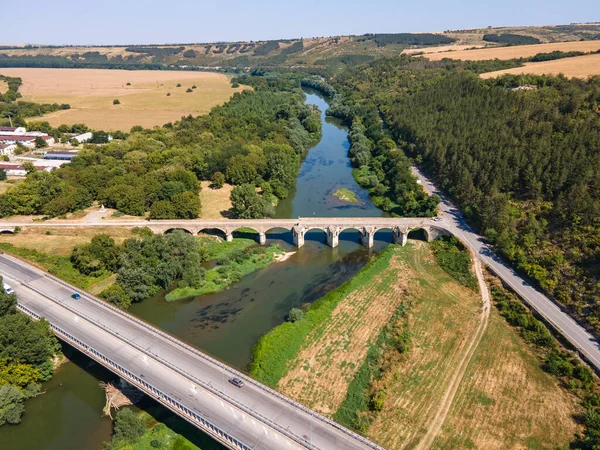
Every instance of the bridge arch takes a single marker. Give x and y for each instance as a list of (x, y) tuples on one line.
[(351, 234), (280, 234), (171, 230), (384, 234), (218, 232)]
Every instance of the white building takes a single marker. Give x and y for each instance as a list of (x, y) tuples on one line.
[(13, 131), (81, 138), (17, 170), (7, 149)]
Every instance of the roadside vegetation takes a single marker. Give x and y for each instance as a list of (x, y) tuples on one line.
[(455, 259), (542, 220), (27, 349)]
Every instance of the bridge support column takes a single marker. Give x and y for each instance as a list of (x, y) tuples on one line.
[(299, 232), (366, 236), (400, 236), (229, 237), (262, 238), (333, 236)]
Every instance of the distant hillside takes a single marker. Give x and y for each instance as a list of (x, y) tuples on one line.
[(327, 53)]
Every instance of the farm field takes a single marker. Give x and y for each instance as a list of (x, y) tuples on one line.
[(578, 66), (499, 398), (515, 51), (91, 92), (506, 400), (61, 241)]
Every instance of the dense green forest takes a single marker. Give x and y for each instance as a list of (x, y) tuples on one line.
[(255, 139), (17, 110), (26, 351), (523, 165), (383, 39), (511, 39)]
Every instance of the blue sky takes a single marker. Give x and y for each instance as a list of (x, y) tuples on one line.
[(153, 22)]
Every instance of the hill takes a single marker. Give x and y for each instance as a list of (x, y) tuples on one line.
[(318, 52)]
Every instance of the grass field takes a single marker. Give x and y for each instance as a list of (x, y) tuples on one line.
[(61, 241), (515, 51), (215, 202), (506, 400), (334, 351), (346, 195), (578, 66), (443, 320), (91, 92)]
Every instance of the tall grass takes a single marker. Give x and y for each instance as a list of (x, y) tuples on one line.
[(276, 349)]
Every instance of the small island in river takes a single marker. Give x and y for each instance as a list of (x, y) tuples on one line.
[(346, 195)]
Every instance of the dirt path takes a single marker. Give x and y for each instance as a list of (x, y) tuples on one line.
[(440, 416)]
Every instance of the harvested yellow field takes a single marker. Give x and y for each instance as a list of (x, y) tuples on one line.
[(516, 51), (506, 401), (61, 241), (443, 320), (320, 375), (578, 66), (215, 202), (91, 92), (439, 49)]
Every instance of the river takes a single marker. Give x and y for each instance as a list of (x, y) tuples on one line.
[(227, 324)]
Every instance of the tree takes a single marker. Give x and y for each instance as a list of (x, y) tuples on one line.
[(117, 296), (11, 404), (295, 315), (186, 205), (128, 426), (247, 204), (40, 142), (218, 180), (116, 101), (8, 302), (29, 167), (2, 174)]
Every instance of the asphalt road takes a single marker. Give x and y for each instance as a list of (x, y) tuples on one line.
[(252, 414), (453, 221)]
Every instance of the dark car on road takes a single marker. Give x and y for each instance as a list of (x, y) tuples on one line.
[(76, 296), (236, 382)]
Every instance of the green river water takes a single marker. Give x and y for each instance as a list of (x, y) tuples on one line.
[(227, 324)]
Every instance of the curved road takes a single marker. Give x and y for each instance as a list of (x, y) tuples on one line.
[(453, 221)]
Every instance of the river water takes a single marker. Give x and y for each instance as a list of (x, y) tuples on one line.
[(227, 324)]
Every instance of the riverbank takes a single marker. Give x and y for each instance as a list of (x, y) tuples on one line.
[(229, 269)]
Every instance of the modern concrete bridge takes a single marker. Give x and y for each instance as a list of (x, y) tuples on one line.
[(185, 380), (331, 226)]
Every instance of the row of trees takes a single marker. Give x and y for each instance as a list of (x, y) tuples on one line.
[(26, 350)]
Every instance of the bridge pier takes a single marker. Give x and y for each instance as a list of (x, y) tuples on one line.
[(366, 236), (400, 236), (333, 236), (262, 238), (299, 232), (229, 237)]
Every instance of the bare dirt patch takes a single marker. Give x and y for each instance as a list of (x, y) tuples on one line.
[(215, 202), (516, 51), (3, 87), (91, 92), (578, 66), (322, 372)]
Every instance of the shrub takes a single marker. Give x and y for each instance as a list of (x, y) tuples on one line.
[(116, 101), (128, 426), (295, 315), (188, 90), (218, 180)]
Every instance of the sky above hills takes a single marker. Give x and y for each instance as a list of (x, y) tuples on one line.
[(186, 21)]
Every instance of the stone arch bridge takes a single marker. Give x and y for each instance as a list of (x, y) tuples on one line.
[(332, 226)]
